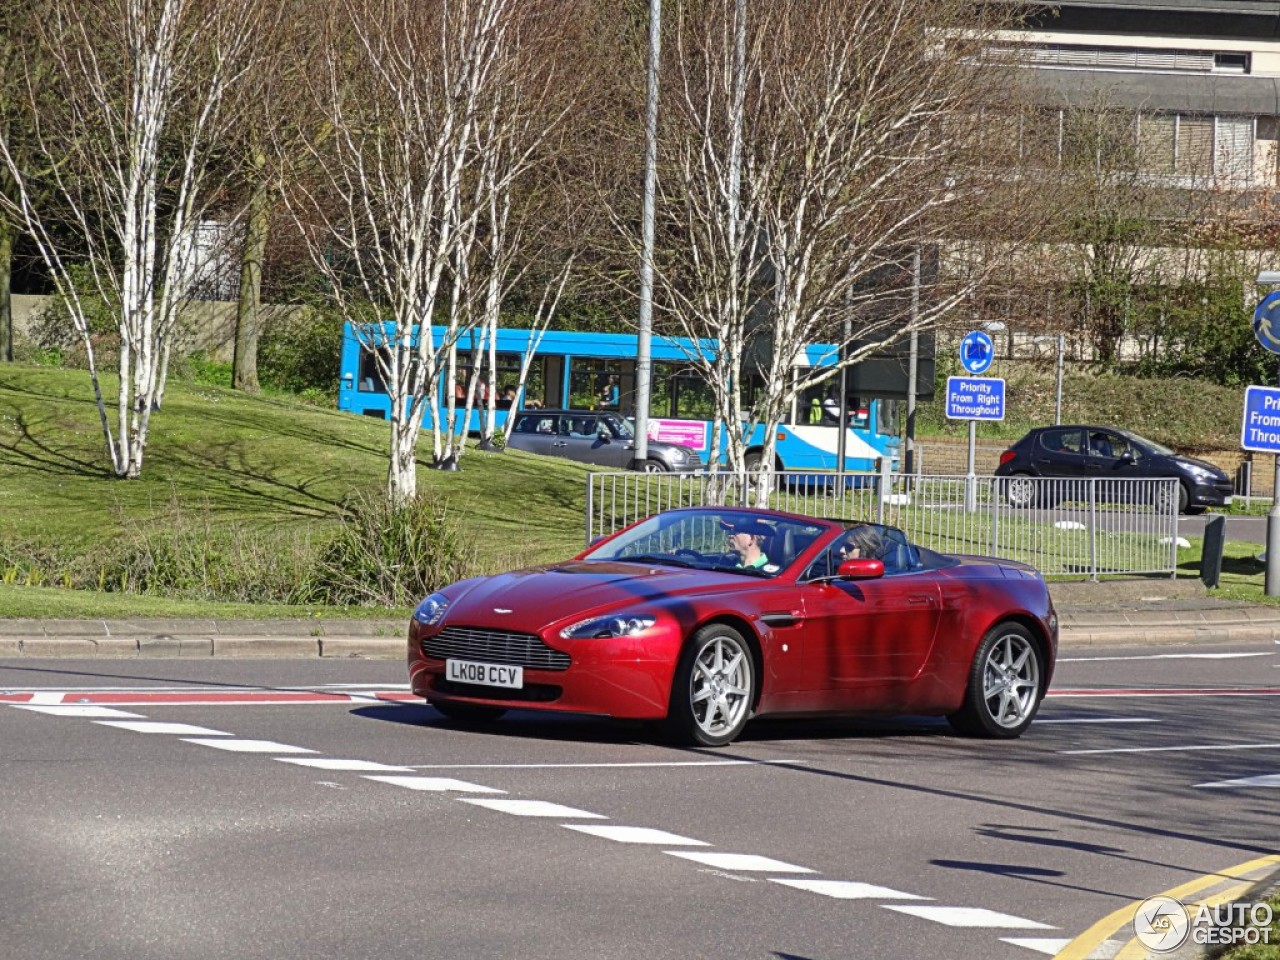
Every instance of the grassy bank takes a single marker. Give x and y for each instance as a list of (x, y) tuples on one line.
[(252, 489), (255, 475)]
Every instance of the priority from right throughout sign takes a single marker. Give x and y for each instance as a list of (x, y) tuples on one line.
[(1260, 427), (975, 398)]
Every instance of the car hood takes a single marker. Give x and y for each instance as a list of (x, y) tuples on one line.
[(529, 600), (1202, 464)]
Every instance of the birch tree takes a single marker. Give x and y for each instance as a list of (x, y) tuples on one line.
[(387, 200), (135, 103), (522, 209), (805, 146)]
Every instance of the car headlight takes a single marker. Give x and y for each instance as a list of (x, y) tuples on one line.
[(431, 610), (607, 628)]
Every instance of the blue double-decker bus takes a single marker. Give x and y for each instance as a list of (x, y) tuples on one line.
[(590, 371)]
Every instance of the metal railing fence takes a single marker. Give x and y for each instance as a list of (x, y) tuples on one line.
[(1063, 527)]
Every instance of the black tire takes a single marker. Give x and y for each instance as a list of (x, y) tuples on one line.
[(467, 713), (653, 466), (1184, 499), (752, 461), (714, 688), (1006, 685)]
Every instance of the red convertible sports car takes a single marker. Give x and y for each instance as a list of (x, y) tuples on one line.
[(707, 617)]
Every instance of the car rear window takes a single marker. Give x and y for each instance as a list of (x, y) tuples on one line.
[(1063, 441)]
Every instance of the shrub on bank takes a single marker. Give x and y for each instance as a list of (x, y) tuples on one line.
[(373, 556)]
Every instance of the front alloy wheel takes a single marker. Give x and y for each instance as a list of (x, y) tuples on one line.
[(1004, 689), (714, 687)]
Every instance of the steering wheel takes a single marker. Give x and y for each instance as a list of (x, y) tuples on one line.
[(686, 554)]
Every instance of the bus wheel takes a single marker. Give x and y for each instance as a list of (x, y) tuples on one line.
[(754, 462)]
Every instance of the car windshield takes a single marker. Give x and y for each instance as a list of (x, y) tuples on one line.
[(1154, 447), (728, 540)]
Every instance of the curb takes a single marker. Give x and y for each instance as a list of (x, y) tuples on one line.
[(1114, 935), (385, 640)]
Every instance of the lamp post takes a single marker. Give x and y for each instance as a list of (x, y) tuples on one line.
[(644, 357), (1061, 341)]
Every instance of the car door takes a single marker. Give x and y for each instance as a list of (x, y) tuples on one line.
[(1112, 458), (534, 431), (579, 439), (619, 448), (1059, 452), (866, 639)]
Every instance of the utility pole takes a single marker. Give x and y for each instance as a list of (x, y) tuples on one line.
[(913, 365)]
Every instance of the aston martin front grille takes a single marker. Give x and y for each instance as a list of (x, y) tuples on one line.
[(494, 646)]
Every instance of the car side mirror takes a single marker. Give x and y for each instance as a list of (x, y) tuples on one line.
[(603, 436), (861, 568), (1127, 456)]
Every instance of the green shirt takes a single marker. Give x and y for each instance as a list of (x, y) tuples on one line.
[(755, 564)]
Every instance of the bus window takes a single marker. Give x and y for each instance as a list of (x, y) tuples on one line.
[(371, 379), (859, 413), (662, 390), (598, 384), (821, 405), (887, 417), (694, 398)]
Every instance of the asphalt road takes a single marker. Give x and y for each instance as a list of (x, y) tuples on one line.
[(1244, 529), (884, 839)]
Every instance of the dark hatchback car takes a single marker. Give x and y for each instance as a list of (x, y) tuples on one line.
[(591, 437), (1109, 453)]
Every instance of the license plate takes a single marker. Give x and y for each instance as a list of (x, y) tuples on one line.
[(485, 674)]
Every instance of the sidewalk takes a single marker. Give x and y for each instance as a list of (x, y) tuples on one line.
[(1133, 612)]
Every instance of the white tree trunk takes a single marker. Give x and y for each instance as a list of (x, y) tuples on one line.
[(137, 103)]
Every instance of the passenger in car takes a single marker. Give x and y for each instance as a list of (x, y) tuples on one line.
[(860, 542)]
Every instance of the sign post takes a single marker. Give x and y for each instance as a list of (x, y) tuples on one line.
[(1266, 327), (974, 399), (977, 353)]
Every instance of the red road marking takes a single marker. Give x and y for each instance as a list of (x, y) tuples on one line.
[(1170, 692), (197, 697), (171, 698)]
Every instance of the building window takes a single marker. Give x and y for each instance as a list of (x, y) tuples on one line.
[(1231, 63), (1155, 143), (1233, 149), (1194, 146)]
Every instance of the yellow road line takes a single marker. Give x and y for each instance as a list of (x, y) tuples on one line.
[(1098, 933)]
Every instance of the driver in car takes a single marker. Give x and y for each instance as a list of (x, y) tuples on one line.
[(745, 539)]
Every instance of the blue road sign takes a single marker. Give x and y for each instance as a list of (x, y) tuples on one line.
[(1260, 428), (975, 398), (977, 351), (1266, 323)]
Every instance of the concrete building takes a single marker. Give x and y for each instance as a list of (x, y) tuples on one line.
[(1201, 76)]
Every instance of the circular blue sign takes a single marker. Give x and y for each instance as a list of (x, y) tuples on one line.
[(1266, 322), (977, 351)]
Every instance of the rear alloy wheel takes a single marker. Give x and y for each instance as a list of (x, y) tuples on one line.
[(713, 689), (1004, 690), (467, 713), (1020, 491)]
